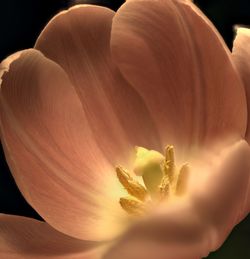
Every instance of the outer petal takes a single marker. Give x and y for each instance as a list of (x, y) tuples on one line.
[(176, 60), (79, 40), (177, 233), (241, 57), (194, 225), (222, 190), (52, 153), (22, 237)]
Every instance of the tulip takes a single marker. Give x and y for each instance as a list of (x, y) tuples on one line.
[(127, 132)]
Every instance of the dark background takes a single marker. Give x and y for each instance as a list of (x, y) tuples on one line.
[(21, 23)]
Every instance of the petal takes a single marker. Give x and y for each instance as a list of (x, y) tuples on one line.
[(4, 65), (176, 233), (222, 190), (78, 40), (28, 238), (192, 226), (52, 153), (176, 60), (241, 58)]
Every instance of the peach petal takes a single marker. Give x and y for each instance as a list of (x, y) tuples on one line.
[(241, 58), (176, 233), (193, 226), (178, 63), (79, 40), (22, 237), (221, 193), (51, 150)]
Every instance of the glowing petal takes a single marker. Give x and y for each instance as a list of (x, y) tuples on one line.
[(178, 63), (52, 153), (221, 190), (79, 40), (27, 238), (241, 57)]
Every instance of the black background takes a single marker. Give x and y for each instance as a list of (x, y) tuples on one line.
[(21, 22)]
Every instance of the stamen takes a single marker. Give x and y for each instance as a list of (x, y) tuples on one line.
[(164, 187), (181, 185), (169, 165), (133, 187), (169, 154), (133, 207)]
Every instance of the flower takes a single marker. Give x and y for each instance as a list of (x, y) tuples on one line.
[(96, 85)]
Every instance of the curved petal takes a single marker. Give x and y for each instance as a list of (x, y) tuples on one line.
[(241, 58), (176, 60), (198, 223), (28, 238), (222, 190), (176, 233), (78, 40), (4, 65), (52, 153)]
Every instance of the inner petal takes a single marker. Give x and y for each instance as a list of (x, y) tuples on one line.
[(174, 57), (79, 40)]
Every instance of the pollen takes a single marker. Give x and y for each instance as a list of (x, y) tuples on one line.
[(132, 206), (161, 177), (133, 188), (169, 164), (164, 187)]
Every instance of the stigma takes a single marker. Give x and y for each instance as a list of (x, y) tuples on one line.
[(162, 179)]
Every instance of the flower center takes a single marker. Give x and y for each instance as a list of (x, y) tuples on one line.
[(161, 177)]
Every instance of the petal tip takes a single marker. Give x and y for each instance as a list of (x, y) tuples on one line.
[(5, 64)]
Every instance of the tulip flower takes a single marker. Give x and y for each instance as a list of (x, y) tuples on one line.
[(128, 133)]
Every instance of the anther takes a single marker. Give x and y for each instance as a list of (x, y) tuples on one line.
[(169, 164), (169, 154), (133, 187), (182, 180), (133, 207), (164, 187)]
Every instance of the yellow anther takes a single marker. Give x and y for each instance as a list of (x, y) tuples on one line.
[(169, 164), (133, 187), (164, 187), (133, 207), (169, 154), (182, 180)]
